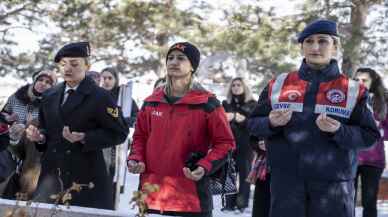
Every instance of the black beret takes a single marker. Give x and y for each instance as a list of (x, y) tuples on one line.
[(318, 27), (76, 49)]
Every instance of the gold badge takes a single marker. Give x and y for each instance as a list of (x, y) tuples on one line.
[(114, 112)]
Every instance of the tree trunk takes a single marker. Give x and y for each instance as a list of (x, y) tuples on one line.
[(352, 46), (162, 41)]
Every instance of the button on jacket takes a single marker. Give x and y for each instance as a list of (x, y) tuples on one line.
[(93, 111)]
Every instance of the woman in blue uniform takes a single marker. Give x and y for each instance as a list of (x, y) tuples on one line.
[(314, 121)]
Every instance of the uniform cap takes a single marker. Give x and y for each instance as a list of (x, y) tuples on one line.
[(76, 49), (318, 27)]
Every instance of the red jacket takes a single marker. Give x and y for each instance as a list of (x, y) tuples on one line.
[(166, 134)]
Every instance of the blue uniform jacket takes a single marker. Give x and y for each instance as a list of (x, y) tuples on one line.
[(301, 148)]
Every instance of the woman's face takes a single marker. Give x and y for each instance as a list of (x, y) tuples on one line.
[(73, 69), (108, 80), (364, 79), (319, 49), (43, 83), (178, 65), (237, 87)]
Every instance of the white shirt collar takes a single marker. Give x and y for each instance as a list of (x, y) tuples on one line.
[(68, 88)]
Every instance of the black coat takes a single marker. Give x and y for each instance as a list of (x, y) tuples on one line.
[(130, 121), (240, 131), (243, 155), (93, 111), (4, 137)]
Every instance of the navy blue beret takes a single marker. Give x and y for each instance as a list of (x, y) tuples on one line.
[(76, 49), (318, 27), (189, 50)]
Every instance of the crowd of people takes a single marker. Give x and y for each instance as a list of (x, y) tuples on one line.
[(304, 144)]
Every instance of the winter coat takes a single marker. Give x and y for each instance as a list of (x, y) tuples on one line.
[(300, 148), (165, 136), (134, 109), (25, 153), (110, 152), (92, 110), (4, 137), (240, 130), (375, 155), (22, 105)]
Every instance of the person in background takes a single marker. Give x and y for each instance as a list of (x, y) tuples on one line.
[(260, 177), (4, 136), (179, 120), (95, 76), (77, 119), (24, 103), (110, 82), (23, 107), (371, 162), (314, 122), (238, 105), (5, 167)]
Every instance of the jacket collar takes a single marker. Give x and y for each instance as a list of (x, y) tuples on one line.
[(85, 85), (197, 95), (23, 95), (330, 72)]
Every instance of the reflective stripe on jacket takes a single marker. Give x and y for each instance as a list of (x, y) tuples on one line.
[(300, 148)]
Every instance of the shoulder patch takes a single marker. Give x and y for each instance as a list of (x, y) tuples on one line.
[(208, 107), (114, 112)]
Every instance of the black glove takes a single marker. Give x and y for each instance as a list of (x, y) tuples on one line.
[(191, 161)]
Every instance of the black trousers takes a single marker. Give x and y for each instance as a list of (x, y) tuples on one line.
[(370, 179), (262, 198)]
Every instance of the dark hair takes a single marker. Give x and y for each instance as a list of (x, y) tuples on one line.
[(378, 90), (115, 74)]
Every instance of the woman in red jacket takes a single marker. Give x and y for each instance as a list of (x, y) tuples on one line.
[(180, 118)]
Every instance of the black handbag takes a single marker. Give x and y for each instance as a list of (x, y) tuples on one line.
[(222, 180)]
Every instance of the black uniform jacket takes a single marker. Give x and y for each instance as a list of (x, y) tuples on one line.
[(93, 111)]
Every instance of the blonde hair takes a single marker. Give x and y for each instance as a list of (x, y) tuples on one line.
[(168, 85), (247, 91)]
